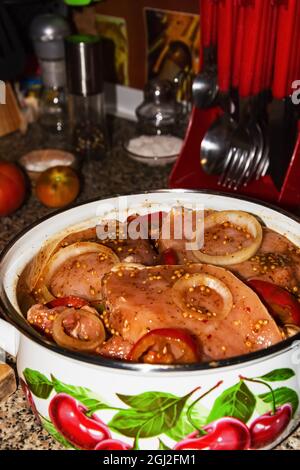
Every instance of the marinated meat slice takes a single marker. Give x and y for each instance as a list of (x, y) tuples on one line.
[(140, 300), (42, 318), (116, 348), (128, 250), (277, 261), (81, 276), (219, 239)]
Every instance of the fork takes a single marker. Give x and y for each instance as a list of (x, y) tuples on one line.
[(249, 151)]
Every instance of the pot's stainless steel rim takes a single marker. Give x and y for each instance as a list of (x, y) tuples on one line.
[(13, 317)]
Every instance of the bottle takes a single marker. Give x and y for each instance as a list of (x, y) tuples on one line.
[(85, 96), (159, 113), (48, 32)]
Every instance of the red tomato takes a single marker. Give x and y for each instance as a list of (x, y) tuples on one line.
[(166, 346), (12, 188), (283, 306), (57, 186), (70, 301)]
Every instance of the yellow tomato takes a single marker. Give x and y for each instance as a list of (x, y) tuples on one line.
[(57, 186)]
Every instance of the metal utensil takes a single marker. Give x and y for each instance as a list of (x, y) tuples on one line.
[(246, 146), (205, 85), (216, 143)]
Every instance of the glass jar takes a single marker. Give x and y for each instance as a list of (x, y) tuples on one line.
[(86, 114), (85, 96), (159, 113)]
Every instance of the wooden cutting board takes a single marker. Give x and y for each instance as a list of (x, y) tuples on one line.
[(7, 382), (10, 114)]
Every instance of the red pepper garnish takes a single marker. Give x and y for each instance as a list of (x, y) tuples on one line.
[(70, 301), (166, 346), (169, 256), (282, 305)]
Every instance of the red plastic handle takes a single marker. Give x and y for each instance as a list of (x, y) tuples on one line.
[(270, 58), (295, 54), (253, 12), (206, 20), (238, 45), (214, 38), (262, 51), (225, 37), (285, 31)]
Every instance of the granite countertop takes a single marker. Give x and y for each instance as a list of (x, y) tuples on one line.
[(116, 174)]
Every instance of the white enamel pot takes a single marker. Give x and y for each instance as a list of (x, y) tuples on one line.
[(144, 406)]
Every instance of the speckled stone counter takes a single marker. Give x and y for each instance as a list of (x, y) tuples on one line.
[(116, 174)]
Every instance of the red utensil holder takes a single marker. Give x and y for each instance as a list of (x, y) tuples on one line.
[(187, 172)]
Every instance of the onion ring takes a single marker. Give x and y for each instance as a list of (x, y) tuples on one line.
[(127, 266), (69, 342), (290, 329), (201, 279), (238, 218), (71, 251)]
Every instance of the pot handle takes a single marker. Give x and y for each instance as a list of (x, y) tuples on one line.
[(9, 338)]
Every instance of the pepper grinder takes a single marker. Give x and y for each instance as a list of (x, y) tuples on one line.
[(47, 33), (86, 97)]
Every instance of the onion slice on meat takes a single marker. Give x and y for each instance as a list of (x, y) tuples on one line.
[(290, 329), (94, 339), (238, 218), (41, 292), (74, 250), (127, 266), (182, 286)]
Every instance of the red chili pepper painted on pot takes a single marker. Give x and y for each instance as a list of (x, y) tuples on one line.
[(70, 420), (112, 444), (224, 434), (268, 427), (282, 305)]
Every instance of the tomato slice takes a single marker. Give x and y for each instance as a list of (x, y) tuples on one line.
[(283, 306), (169, 256), (70, 301), (166, 346)]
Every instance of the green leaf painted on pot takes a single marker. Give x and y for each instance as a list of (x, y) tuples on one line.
[(149, 422), (38, 383), (237, 401), (278, 375), (50, 428), (282, 395), (163, 446), (148, 401), (86, 396), (184, 427)]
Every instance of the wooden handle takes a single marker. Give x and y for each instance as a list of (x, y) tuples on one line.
[(7, 382)]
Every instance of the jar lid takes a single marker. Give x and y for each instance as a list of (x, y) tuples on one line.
[(84, 64), (47, 33)]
